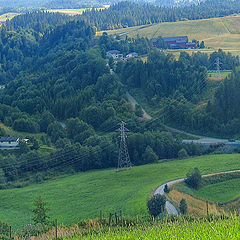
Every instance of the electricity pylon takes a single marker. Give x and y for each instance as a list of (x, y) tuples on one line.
[(124, 162), (217, 63)]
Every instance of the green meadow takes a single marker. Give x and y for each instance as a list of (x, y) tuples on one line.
[(83, 195), (220, 192), (75, 11), (215, 32), (7, 16)]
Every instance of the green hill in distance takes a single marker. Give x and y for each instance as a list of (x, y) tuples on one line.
[(215, 32)]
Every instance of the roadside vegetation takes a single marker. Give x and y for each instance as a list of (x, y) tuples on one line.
[(179, 228), (215, 194)]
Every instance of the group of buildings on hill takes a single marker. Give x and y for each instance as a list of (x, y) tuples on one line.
[(179, 42), (115, 54)]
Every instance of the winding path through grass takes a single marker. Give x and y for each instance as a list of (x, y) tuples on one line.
[(170, 208)]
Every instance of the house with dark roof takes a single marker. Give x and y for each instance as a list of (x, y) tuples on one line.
[(9, 142)]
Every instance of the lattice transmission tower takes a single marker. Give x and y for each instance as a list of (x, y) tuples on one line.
[(124, 162), (218, 68)]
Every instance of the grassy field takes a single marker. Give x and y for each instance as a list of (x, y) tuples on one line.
[(83, 195), (7, 16), (69, 11), (214, 76), (216, 33), (182, 229), (75, 11), (223, 197), (10, 132), (220, 192)]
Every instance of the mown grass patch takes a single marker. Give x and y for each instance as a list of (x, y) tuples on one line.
[(220, 192)]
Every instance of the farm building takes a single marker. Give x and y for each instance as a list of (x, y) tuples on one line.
[(9, 142), (132, 55), (180, 42), (176, 42), (115, 54)]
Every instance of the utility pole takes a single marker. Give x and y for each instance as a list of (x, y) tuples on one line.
[(217, 63), (124, 162)]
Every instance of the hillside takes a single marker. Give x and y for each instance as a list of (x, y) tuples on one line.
[(215, 32), (74, 3), (83, 195)]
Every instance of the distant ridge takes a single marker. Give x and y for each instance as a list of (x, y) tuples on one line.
[(86, 3)]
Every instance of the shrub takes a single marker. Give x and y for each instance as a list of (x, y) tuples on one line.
[(182, 153), (26, 125), (183, 206), (40, 212), (149, 155), (194, 178), (166, 189), (156, 205)]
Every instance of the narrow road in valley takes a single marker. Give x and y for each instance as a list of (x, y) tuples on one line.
[(202, 140), (133, 102), (170, 208)]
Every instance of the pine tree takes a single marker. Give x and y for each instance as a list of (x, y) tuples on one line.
[(40, 211)]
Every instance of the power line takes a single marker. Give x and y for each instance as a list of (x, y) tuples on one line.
[(217, 63)]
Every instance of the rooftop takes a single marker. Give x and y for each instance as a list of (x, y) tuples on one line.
[(178, 38), (8, 139)]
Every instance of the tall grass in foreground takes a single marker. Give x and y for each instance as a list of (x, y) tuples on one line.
[(181, 228)]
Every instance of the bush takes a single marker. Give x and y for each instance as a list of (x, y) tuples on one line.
[(156, 205), (138, 110), (166, 189), (149, 155), (40, 212), (182, 153), (183, 206), (194, 179), (26, 125)]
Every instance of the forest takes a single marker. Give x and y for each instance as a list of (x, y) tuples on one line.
[(59, 83), (128, 14)]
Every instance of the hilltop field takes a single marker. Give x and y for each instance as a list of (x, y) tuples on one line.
[(7, 16), (75, 11), (83, 195), (217, 33)]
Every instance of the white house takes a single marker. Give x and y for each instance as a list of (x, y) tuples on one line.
[(9, 142), (115, 54), (132, 55)]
